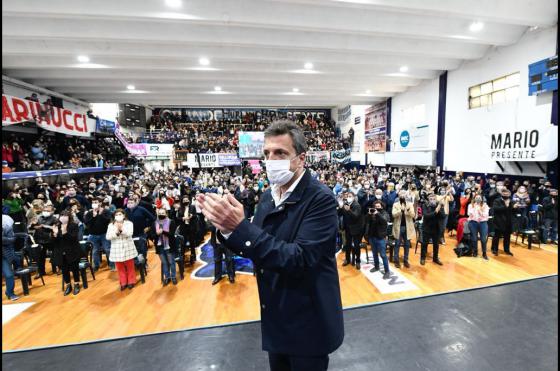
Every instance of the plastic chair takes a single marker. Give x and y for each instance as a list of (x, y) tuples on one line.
[(24, 273)]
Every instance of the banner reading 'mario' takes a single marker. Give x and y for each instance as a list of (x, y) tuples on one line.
[(61, 120), (531, 144)]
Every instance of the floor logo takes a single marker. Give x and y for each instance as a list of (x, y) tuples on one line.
[(397, 283), (206, 271)]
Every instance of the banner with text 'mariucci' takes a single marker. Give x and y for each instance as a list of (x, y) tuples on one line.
[(531, 144), (61, 120)]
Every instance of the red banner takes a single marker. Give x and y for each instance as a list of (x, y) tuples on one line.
[(17, 110)]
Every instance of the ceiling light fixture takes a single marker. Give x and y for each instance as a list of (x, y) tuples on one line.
[(130, 87), (368, 91), (174, 3), (476, 26), (83, 59), (308, 66), (403, 69), (217, 88), (295, 90), (204, 61)]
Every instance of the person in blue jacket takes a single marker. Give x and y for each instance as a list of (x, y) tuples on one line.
[(292, 242)]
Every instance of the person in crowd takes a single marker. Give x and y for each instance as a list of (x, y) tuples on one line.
[(166, 247), (72, 194), (354, 229), (432, 213), (445, 197), (479, 213), (502, 220), (220, 251), (185, 219), (521, 203), (142, 220), (123, 250), (550, 216), (97, 221), (403, 227), (377, 220), (42, 229), (6, 167), (389, 196), (14, 204), (465, 201), (67, 251), (8, 255)]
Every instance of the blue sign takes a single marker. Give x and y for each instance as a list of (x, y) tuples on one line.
[(105, 126), (405, 138), (543, 76)]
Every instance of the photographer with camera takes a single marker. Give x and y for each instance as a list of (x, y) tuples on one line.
[(376, 230)]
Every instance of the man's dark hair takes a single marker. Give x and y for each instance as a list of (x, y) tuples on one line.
[(283, 127)]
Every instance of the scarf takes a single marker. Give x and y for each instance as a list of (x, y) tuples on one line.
[(163, 226)]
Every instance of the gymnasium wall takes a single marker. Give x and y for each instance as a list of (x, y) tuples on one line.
[(465, 127)]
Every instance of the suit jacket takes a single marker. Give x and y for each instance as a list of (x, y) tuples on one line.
[(502, 215), (67, 245), (293, 250)]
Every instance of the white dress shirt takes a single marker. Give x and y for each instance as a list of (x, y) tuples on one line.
[(278, 198)]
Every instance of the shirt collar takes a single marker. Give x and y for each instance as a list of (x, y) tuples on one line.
[(275, 191)]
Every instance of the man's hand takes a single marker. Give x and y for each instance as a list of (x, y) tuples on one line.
[(347, 207), (225, 213)]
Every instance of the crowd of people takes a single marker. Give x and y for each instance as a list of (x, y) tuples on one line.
[(222, 136), (373, 204), (49, 151)]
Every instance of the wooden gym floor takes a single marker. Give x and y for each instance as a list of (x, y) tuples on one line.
[(103, 311)]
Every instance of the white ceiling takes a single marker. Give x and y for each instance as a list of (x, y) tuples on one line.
[(257, 48)]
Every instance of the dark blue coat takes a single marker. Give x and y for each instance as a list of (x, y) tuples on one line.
[(293, 250)]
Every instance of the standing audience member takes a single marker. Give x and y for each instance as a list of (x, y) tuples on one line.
[(67, 251), (550, 208), (97, 221), (376, 225), (166, 248), (8, 255), (403, 227), (42, 229), (123, 250), (142, 220), (478, 225), (432, 215), (354, 229), (503, 215)]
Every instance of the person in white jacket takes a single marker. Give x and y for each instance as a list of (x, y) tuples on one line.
[(123, 250)]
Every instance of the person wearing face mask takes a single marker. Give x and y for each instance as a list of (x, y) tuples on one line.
[(72, 194), (503, 214), (142, 220), (292, 243), (185, 220), (353, 225), (377, 220), (67, 251), (220, 252), (550, 216), (97, 220), (521, 203), (431, 222), (464, 202), (403, 227), (445, 198), (123, 250), (478, 224), (389, 196), (42, 229), (163, 233)]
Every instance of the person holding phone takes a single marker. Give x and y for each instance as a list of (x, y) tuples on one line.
[(376, 226)]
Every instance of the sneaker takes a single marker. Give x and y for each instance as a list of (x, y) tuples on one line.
[(68, 290), (76, 289), (387, 275), (13, 297), (374, 269)]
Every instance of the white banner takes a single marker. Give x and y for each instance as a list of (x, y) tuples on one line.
[(17, 110), (397, 283), (210, 160), (317, 156), (414, 138), (532, 144), (159, 150)]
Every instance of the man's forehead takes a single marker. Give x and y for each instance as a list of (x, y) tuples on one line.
[(283, 142)]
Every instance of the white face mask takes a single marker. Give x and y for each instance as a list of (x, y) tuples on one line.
[(278, 171), (94, 206), (119, 218), (350, 199), (46, 214), (378, 197)]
